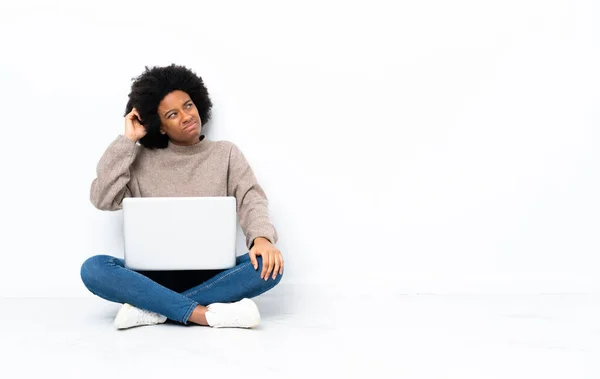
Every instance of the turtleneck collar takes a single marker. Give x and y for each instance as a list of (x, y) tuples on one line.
[(191, 149)]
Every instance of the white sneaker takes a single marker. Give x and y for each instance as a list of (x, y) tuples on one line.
[(130, 316), (241, 314)]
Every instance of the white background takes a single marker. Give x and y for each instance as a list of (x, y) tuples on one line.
[(409, 147)]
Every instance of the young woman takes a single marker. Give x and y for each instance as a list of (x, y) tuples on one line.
[(163, 153)]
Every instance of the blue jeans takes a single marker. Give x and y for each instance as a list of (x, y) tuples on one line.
[(106, 276)]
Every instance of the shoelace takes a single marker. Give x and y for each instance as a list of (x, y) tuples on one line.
[(146, 317), (234, 322), (226, 321)]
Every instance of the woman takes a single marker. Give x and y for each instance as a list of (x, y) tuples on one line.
[(162, 153)]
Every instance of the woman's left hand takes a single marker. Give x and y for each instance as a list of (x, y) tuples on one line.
[(271, 258)]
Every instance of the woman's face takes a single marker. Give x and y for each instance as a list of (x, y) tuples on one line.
[(179, 118)]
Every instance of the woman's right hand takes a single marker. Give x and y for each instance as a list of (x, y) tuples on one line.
[(134, 130)]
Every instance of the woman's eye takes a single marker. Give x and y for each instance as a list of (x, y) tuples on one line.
[(189, 105)]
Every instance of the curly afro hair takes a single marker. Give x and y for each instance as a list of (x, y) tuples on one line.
[(148, 90)]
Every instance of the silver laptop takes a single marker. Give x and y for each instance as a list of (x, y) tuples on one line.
[(179, 233)]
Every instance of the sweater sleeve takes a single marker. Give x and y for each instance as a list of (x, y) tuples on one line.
[(251, 200), (113, 175)]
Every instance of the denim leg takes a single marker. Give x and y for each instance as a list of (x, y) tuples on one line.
[(106, 276), (233, 284)]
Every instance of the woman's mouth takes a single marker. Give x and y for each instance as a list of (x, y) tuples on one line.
[(192, 125)]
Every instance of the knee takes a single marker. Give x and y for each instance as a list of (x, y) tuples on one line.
[(92, 270), (270, 282)]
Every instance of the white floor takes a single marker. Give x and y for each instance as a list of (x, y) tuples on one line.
[(314, 336)]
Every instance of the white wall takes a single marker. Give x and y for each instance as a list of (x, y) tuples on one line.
[(410, 147)]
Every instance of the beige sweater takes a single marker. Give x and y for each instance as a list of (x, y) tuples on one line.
[(208, 168)]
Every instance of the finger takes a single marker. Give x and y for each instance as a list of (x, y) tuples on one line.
[(276, 267), (263, 273), (253, 260), (270, 267), (265, 270), (131, 114), (281, 264)]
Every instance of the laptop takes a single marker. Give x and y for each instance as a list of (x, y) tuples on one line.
[(179, 233)]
